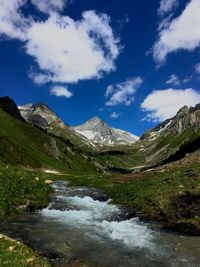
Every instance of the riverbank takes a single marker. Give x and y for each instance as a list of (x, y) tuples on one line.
[(21, 191), (14, 253)]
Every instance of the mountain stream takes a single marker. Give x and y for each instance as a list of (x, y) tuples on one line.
[(81, 227)]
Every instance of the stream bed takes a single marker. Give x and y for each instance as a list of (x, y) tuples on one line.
[(82, 225)]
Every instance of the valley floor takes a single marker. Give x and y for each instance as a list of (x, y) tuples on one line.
[(168, 193)]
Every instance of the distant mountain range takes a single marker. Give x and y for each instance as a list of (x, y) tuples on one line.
[(34, 129), (95, 130)]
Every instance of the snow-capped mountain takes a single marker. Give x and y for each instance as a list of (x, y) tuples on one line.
[(97, 131)]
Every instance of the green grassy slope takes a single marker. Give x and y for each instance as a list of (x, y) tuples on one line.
[(26, 145), (21, 190), (168, 146)]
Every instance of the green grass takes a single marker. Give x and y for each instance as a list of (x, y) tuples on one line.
[(15, 254), (20, 188)]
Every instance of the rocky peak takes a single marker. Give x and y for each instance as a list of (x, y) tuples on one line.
[(40, 115), (183, 111), (93, 123), (42, 106), (98, 131), (10, 107)]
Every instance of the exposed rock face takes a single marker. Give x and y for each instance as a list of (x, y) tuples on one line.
[(10, 107), (40, 115), (173, 137), (185, 118), (100, 132)]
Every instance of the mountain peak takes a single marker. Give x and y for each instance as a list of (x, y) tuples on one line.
[(40, 115), (98, 131), (41, 105), (95, 118), (95, 121), (183, 111)]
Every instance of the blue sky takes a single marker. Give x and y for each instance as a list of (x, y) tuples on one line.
[(133, 63)]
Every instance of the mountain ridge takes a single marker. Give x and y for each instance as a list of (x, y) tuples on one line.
[(42, 116), (172, 138), (95, 130)]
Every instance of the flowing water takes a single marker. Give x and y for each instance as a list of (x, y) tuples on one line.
[(82, 225)]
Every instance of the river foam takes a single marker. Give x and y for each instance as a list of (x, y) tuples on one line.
[(96, 218)]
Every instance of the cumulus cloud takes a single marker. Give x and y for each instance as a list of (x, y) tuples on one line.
[(61, 91), (48, 6), (164, 104), (115, 115), (68, 51), (123, 93), (197, 68), (182, 32), (167, 6), (12, 22), (65, 50)]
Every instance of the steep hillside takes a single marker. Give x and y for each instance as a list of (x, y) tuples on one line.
[(99, 132), (174, 138), (25, 145)]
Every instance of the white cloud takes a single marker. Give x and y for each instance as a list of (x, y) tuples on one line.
[(167, 6), (109, 90), (197, 68), (65, 50), (122, 93), (182, 32), (164, 104), (187, 79), (173, 80), (115, 115), (61, 91), (12, 22), (48, 6), (69, 51)]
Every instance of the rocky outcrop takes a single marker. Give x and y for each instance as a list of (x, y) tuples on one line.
[(40, 115), (173, 138), (185, 118)]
